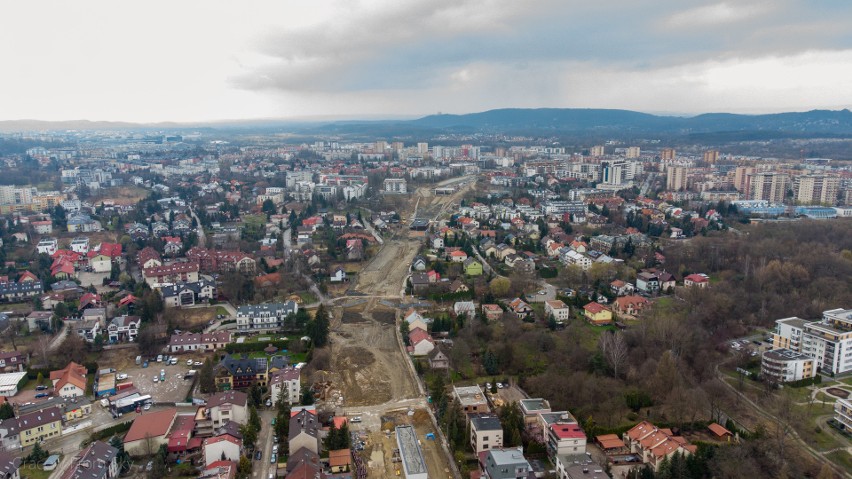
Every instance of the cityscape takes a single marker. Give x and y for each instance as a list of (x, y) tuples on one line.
[(472, 240)]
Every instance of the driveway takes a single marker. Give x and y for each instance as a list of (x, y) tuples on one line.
[(549, 290)]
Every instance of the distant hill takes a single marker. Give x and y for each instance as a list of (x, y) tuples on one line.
[(535, 122)]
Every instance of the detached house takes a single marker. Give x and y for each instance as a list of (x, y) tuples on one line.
[(630, 305), (421, 342), (472, 267), (123, 328), (698, 280), (558, 309), (228, 406), (597, 314), (653, 444), (69, 382), (188, 294)]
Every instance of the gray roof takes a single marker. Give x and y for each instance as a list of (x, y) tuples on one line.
[(9, 463), (290, 307), (176, 289), (486, 423), (409, 451), (21, 288), (93, 462), (303, 422)]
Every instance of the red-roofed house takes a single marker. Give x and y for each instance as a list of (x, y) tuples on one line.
[(149, 431), (630, 305), (70, 381), (221, 470), (421, 342), (697, 280), (653, 444), (458, 256), (180, 436), (597, 313)]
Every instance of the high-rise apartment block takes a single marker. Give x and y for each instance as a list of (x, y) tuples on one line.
[(769, 186), (711, 156), (676, 178), (741, 178), (816, 189), (667, 154), (633, 152), (828, 341), (597, 150), (423, 148)]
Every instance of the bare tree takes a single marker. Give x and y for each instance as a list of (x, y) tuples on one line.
[(614, 350)]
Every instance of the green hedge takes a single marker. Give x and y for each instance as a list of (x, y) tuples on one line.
[(236, 348), (804, 382), (111, 431)]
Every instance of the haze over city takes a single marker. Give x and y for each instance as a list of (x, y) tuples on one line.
[(215, 60)]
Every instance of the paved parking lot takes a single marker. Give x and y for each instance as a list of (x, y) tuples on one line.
[(173, 389)]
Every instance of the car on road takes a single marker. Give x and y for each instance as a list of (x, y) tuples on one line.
[(41, 387), (258, 455), (271, 475)]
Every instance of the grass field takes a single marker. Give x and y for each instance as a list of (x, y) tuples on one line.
[(841, 458)]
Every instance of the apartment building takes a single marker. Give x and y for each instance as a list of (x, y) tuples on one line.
[(828, 341), (395, 185), (769, 186), (816, 189), (785, 365), (676, 178), (843, 413), (264, 317)]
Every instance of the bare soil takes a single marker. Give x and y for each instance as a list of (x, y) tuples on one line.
[(381, 445), (367, 363), (385, 274)]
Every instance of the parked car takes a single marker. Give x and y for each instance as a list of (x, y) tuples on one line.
[(269, 403), (257, 455), (273, 459), (42, 395), (160, 358), (198, 363), (189, 362), (156, 379), (149, 466), (41, 387), (121, 377), (147, 406), (275, 448)]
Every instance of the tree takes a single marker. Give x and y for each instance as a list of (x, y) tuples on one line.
[(244, 467), (206, 381), (122, 457), (40, 378), (6, 411), (499, 286), (614, 349), (249, 435), (254, 418), (255, 395), (307, 396), (37, 455), (268, 207), (317, 328)]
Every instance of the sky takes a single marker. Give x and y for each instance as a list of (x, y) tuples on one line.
[(224, 60)]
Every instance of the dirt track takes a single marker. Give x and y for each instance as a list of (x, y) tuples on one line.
[(385, 274), (368, 365)]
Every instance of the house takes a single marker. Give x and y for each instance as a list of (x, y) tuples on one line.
[(13, 361), (340, 461), (304, 432), (465, 307), (354, 250), (653, 444), (286, 383), (505, 463), (10, 465), (42, 227), (630, 305), (648, 282), (419, 281), (565, 438), (338, 275), (433, 276), (47, 246), (221, 448), (173, 245), (80, 245), (503, 250), (458, 256), (39, 425), (70, 381), (416, 320), (419, 263), (219, 261), (90, 300), (699, 280), (520, 308), (458, 286), (492, 312), (149, 431), (188, 294), (123, 328), (472, 267), (421, 342), (228, 406), (471, 399), (597, 313), (621, 288), (148, 257), (82, 223), (486, 432), (98, 460), (558, 309), (438, 360), (719, 432), (578, 466)]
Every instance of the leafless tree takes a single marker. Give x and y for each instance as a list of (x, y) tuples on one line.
[(614, 350)]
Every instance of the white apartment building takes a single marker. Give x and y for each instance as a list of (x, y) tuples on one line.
[(843, 413), (785, 365), (828, 341), (287, 383), (395, 185), (264, 318), (47, 246)]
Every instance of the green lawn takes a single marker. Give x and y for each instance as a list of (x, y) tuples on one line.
[(841, 458), (33, 471), (221, 310), (307, 297)]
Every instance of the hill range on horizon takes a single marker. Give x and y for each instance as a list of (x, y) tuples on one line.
[(529, 121)]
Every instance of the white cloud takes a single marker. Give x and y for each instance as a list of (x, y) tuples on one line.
[(717, 14)]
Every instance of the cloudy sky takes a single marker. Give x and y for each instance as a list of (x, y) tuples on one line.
[(212, 60)]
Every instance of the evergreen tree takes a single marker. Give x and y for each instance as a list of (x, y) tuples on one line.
[(6, 411), (317, 328), (205, 378)]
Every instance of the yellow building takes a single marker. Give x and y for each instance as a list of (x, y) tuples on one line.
[(40, 425), (596, 313)]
